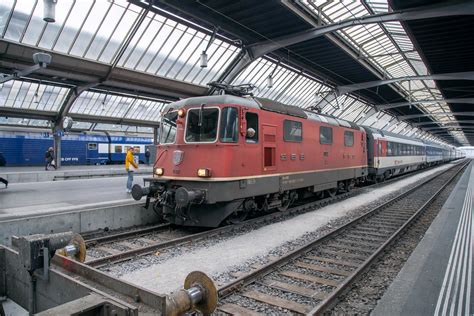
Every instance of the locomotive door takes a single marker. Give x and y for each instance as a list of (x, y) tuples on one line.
[(269, 147)]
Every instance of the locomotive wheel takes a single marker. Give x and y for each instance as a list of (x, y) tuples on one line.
[(284, 205), (237, 217), (331, 192)]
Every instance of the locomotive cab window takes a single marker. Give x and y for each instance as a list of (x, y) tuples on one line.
[(118, 149), (92, 146), (348, 139), (202, 125), (229, 131), (168, 128), (325, 135), (292, 131), (251, 136)]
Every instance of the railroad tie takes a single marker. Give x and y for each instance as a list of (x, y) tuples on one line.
[(279, 302)]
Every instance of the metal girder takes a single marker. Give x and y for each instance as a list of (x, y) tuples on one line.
[(413, 116), (468, 75), (254, 51), (112, 120), (381, 107), (77, 71), (460, 126), (51, 116), (26, 113), (444, 123)]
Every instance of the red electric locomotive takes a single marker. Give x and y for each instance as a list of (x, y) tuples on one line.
[(221, 157)]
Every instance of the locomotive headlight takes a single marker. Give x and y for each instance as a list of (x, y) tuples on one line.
[(181, 112), (159, 171), (204, 172)]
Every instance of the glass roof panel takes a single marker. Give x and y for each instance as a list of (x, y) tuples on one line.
[(23, 122), (96, 30), (32, 96), (102, 103), (385, 46)]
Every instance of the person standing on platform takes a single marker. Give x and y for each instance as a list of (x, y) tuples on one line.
[(49, 159), (130, 166), (147, 156), (4, 181)]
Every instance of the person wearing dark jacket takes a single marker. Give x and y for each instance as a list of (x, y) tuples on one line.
[(147, 156), (49, 158)]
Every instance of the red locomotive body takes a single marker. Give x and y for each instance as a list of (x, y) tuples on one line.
[(221, 157)]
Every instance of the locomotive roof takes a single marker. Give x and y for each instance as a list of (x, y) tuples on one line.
[(260, 103)]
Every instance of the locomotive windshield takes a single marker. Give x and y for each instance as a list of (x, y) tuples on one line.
[(168, 128), (202, 125)]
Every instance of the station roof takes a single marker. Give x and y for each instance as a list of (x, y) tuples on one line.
[(118, 62)]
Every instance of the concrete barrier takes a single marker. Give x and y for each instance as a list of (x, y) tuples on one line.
[(79, 220)]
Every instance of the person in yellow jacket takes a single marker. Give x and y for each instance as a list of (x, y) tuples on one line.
[(130, 161)]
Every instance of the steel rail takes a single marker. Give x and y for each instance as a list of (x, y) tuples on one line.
[(149, 249), (327, 303), (126, 234), (253, 276)]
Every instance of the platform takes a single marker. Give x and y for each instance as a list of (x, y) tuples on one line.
[(38, 174), (29, 199), (77, 205), (437, 278)]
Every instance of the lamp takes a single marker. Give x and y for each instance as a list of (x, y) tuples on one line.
[(49, 11), (203, 57), (270, 76)]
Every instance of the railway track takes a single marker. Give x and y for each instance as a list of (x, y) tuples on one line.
[(310, 279), (126, 245)]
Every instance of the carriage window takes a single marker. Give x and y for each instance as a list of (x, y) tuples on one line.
[(168, 128), (136, 149), (389, 149), (348, 139), (252, 122), (118, 149), (325, 135), (229, 132), (292, 131), (202, 125), (92, 146)]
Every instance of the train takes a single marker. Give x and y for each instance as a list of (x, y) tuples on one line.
[(28, 148), (223, 157)]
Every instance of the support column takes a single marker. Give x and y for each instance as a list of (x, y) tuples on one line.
[(155, 136), (58, 132)]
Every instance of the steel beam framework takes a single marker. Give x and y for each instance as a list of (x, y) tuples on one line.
[(340, 90), (381, 107)]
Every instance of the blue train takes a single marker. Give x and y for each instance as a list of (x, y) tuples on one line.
[(28, 148)]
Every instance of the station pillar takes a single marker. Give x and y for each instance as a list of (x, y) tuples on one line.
[(57, 133), (155, 135)]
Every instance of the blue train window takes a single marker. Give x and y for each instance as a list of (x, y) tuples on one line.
[(92, 146)]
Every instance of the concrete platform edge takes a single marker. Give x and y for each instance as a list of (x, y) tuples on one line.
[(80, 221), (405, 289)]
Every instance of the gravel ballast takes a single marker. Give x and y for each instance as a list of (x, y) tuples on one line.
[(166, 272)]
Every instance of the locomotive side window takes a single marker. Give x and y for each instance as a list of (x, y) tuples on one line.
[(252, 123), (92, 146), (348, 139), (292, 131), (229, 132), (202, 125), (168, 128), (118, 149), (325, 135)]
